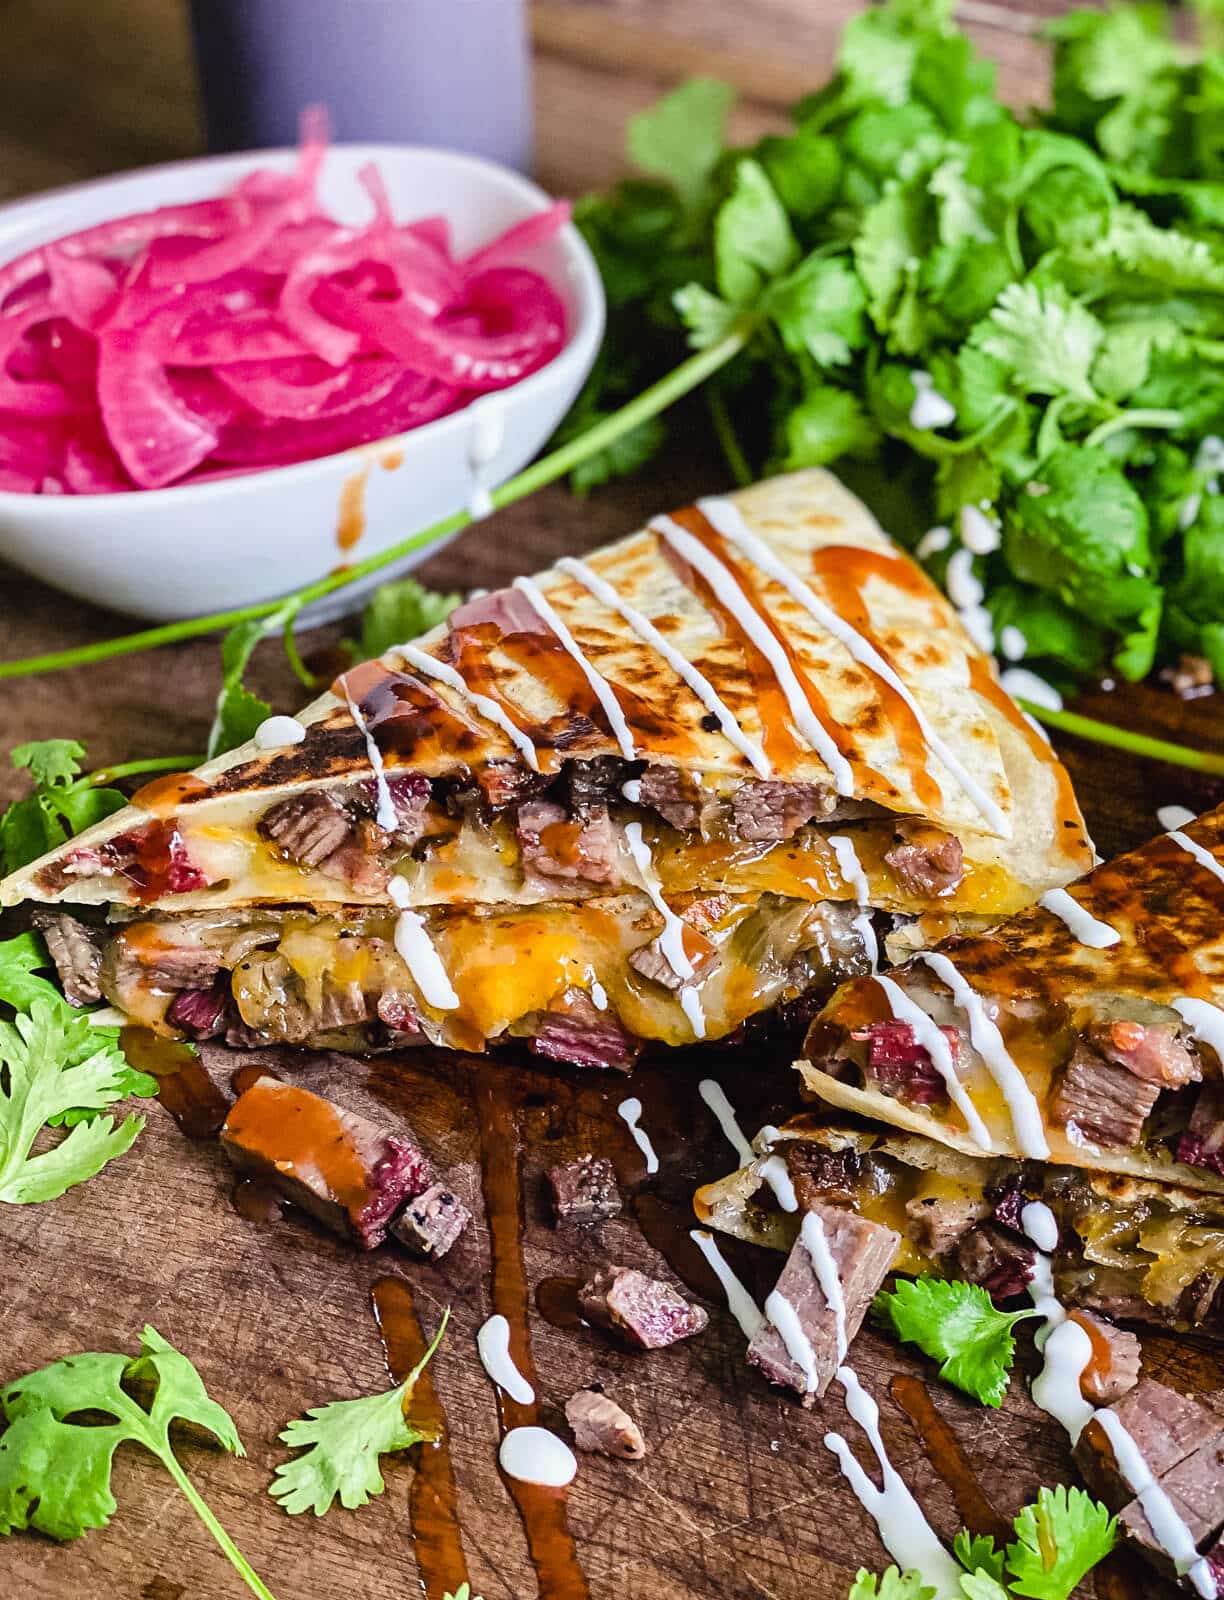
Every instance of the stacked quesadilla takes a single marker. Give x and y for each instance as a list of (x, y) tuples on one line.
[(1070, 1055), (642, 797)]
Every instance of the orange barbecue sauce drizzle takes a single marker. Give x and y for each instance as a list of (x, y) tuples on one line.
[(542, 1510), (183, 1086), (433, 1499), (163, 796), (943, 1451), (844, 571), (290, 1128), (351, 517)]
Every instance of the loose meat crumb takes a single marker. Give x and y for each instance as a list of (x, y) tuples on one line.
[(584, 1190), (1001, 1261), (820, 1174), (900, 1066), (926, 860), (645, 1312), (574, 1030), (602, 1427), (431, 1223)]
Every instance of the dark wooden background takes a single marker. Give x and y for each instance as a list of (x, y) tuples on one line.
[(738, 1497)]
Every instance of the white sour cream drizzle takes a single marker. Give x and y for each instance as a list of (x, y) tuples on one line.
[(273, 733), (443, 672), (1012, 643), (1203, 857), (632, 790), (1066, 1350), (932, 542), (1083, 925), (488, 431), (1170, 817), (386, 816), (986, 1039), (493, 1345), (671, 940), (724, 516), (773, 1171), (715, 1097), (979, 533), (851, 869), (1205, 1021), (740, 1303), (929, 1036), (599, 995), (600, 686), (533, 1455), (630, 1112), (680, 665), (416, 950), (964, 587), (729, 594), (930, 408), (1022, 684)]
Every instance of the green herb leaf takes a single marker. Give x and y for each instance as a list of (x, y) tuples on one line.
[(958, 1325), (707, 318), (681, 138), (1048, 340), (827, 423), (977, 1552), (819, 310), (50, 762), (400, 612), (982, 1586), (346, 1439), (1059, 1540), (890, 1585), (753, 241), (61, 803), (238, 712)]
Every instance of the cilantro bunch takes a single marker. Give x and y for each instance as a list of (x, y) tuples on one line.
[(1059, 1540), (1059, 286)]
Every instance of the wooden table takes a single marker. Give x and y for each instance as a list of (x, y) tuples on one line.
[(738, 1497)]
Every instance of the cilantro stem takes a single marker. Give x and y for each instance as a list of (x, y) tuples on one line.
[(690, 374), (228, 1548), (301, 671), (1138, 418), (131, 769), (1138, 744), (724, 430)]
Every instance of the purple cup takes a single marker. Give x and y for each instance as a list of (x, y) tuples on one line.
[(452, 73)]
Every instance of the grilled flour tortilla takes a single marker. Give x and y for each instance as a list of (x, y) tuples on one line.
[(1087, 1029), (1128, 1247), (690, 760)]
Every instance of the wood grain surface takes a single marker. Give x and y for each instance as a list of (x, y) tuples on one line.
[(738, 1497)]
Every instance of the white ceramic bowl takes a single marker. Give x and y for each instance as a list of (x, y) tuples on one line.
[(181, 552)]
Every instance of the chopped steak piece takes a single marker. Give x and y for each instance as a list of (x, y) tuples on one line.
[(603, 1427), (574, 1030), (505, 783), (937, 1223), (584, 1190), (706, 911), (646, 1312), (927, 860), (1166, 1426), (358, 861), (410, 794), (1116, 1358), (76, 950), (1195, 1487), (430, 1223), (595, 783), (820, 1174), (997, 1259), (678, 797), (651, 962), (863, 1252), (1202, 1144), (554, 847), (306, 828), (344, 1170), (200, 1013), (144, 954), (1101, 1103), (768, 812), (900, 1066), (1152, 1052)]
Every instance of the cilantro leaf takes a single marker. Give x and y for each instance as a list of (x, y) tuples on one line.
[(958, 1325), (61, 804), (1059, 1540), (681, 138), (982, 1586), (1048, 340), (50, 762), (401, 611), (890, 1585), (818, 309), (977, 1552), (238, 712), (707, 318), (827, 423), (753, 241), (345, 1440)]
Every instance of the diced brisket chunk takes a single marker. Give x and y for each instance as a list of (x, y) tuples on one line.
[(431, 1222), (505, 783), (1166, 1426), (926, 860), (768, 811), (1001, 1261), (863, 1252), (162, 957), (584, 1190), (574, 1030), (1152, 1051), (1101, 1103), (651, 961), (76, 950), (350, 1174), (1202, 1144), (937, 1223), (677, 796), (359, 861), (602, 1427), (901, 1067), (1116, 1358), (559, 848), (200, 1013), (410, 795), (822, 1175), (645, 1312), (1195, 1487), (307, 828)]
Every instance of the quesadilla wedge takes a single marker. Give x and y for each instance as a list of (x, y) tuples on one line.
[(1130, 1248), (1088, 1029), (757, 704)]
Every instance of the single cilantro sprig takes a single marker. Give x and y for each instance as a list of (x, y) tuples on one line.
[(346, 1439), (55, 1474), (957, 1325), (398, 612), (64, 801)]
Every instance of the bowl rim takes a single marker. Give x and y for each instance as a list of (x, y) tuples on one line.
[(579, 347)]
